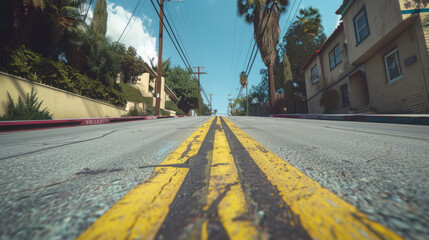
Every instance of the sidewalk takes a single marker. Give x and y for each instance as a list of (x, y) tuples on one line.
[(7, 126), (415, 119)]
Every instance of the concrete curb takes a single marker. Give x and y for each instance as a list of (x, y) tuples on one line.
[(8, 126), (385, 118)]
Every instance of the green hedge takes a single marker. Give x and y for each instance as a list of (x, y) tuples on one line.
[(171, 106), (152, 111), (33, 66), (133, 94)]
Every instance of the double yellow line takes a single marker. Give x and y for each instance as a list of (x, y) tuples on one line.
[(142, 211)]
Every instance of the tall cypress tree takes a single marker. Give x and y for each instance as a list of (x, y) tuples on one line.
[(99, 21)]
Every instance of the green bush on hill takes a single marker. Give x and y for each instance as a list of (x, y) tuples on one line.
[(171, 106), (33, 66), (151, 111), (133, 94)]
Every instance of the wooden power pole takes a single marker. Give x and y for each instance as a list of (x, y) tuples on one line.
[(211, 106), (159, 73), (199, 89)]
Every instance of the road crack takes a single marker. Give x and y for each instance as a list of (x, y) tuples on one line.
[(62, 145), (388, 153)]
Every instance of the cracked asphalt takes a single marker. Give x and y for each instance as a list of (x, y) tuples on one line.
[(382, 169), (55, 183)]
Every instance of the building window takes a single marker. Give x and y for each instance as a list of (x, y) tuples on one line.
[(335, 56), (345, 95), (393, 68), (361, 25), (314, 75)]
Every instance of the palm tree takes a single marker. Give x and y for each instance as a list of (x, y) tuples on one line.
[(41, 23), (166, 66), (264, 15), (310, 21)]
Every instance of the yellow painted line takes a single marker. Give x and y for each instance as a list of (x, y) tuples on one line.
[(140, 213), (323, 214), (204, 230), (224, 176)]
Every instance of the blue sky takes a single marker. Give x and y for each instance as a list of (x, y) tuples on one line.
[(212, 34)]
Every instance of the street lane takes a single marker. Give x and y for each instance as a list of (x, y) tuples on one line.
[(55, 183), (382, 169)]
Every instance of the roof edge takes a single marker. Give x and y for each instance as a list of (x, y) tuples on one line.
[(339, 28), (344, 7)]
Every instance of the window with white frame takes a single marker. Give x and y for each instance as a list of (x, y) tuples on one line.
[(361, 25), (314, 75), (335, 56), (393, 67)]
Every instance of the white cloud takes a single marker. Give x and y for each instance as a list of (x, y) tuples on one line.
[(338, 20), (136, 35), (84, 9)]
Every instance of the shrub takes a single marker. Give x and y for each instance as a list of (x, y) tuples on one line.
[(27, 109), (152, 111), (164, 113), (30, 65), (180, 112), (133, 113), (330, 101), (171, 106)]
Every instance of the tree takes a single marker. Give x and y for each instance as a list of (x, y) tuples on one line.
[(260, 91), (240, 107), (205, 110), (104, 60), (264, 15), (303, 38), (288, 87), (166, 66), (186, 89), (133, 65), (99, 21), (39, 24)]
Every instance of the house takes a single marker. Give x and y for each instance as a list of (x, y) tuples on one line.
[(377, 59), (146, 83)]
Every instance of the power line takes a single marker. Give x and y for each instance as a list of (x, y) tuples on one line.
[(87, 10), (296, 10), (134, 20), (252, 61), (256, 53), (134, 11), (181, 52), (181, 39)]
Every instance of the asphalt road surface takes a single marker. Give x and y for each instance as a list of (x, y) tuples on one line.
[(214, 182)]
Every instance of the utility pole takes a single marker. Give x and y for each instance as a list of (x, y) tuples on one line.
[(230, 107), (247, 102), (199, 89), (159, 73), (229, 104), (211, 106)]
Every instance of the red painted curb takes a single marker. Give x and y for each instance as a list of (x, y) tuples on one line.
[(9, 126)]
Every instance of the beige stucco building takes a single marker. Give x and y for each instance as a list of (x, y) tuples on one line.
[(377, 59), (146, 83)]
